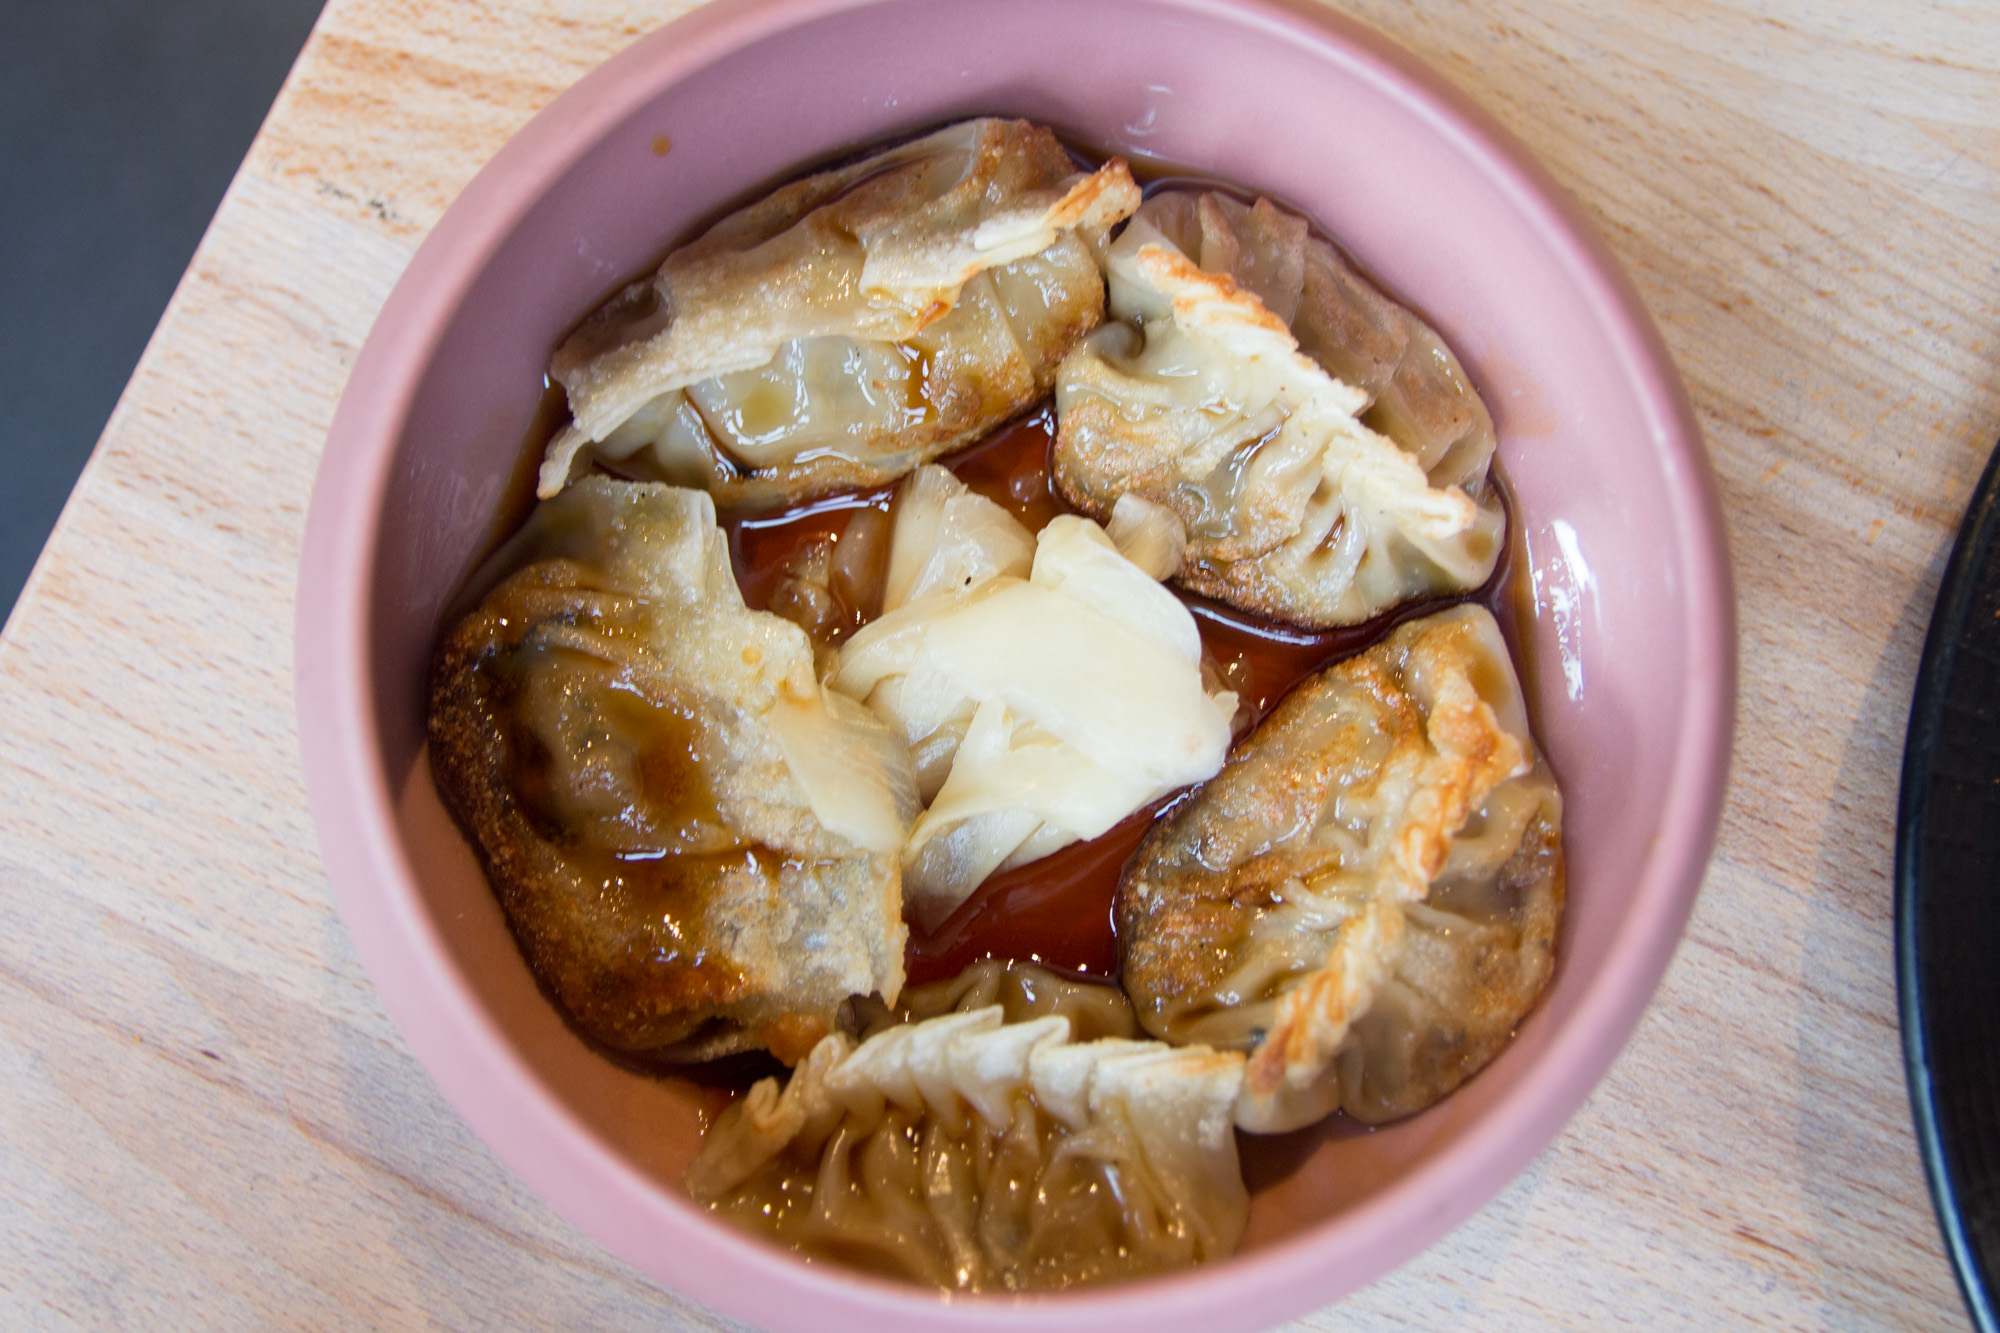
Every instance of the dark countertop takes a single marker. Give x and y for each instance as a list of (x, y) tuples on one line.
[(124, 122)]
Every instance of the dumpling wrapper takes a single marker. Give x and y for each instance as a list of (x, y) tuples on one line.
[(1024, 991), (1039, 710), (849, 325), (1416, 391), (1198, 397), (972, 1154), (695, 844), (1366, 898)]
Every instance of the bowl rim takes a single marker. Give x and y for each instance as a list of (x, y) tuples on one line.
[(353, 800)]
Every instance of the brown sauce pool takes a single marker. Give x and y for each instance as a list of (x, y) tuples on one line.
[(1057, 911)]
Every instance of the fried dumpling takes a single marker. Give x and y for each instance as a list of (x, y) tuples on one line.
[(695, 844), (1046, 687), (849, 325), (1417, 392), (1366, 898), (972, 1154), (1197, 397)]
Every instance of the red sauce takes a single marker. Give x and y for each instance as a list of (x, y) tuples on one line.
[(1057, 910), (1011, 467), (761, 545)]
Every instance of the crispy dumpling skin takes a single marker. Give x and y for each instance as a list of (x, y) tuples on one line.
[(1417, 392), (1366, 898), (1199, 397), (850, 325), (695, 846), (970, 1153)]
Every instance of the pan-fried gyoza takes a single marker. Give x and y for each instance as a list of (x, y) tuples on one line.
[(1199, 397), (1366, 898), (708, 819), (695, 843), (973, 1154), (851, 324)]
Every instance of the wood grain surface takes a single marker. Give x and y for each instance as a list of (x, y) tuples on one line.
[(208, 1121)]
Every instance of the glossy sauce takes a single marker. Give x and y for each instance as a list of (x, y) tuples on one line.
[(763, 548), (1057, 911)]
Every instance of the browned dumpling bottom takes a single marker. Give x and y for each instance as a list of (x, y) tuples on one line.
[(601, 727), (1367, 898)]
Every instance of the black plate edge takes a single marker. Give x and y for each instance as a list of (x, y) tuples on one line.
[(1956, 592)]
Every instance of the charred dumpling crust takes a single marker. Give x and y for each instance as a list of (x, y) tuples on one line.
[(1366, 899), (850, 325), (612, 727)]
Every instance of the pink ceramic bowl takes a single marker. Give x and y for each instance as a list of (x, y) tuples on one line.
[(1629, 638)]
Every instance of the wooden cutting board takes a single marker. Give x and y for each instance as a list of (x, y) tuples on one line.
[(209, 1121)]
